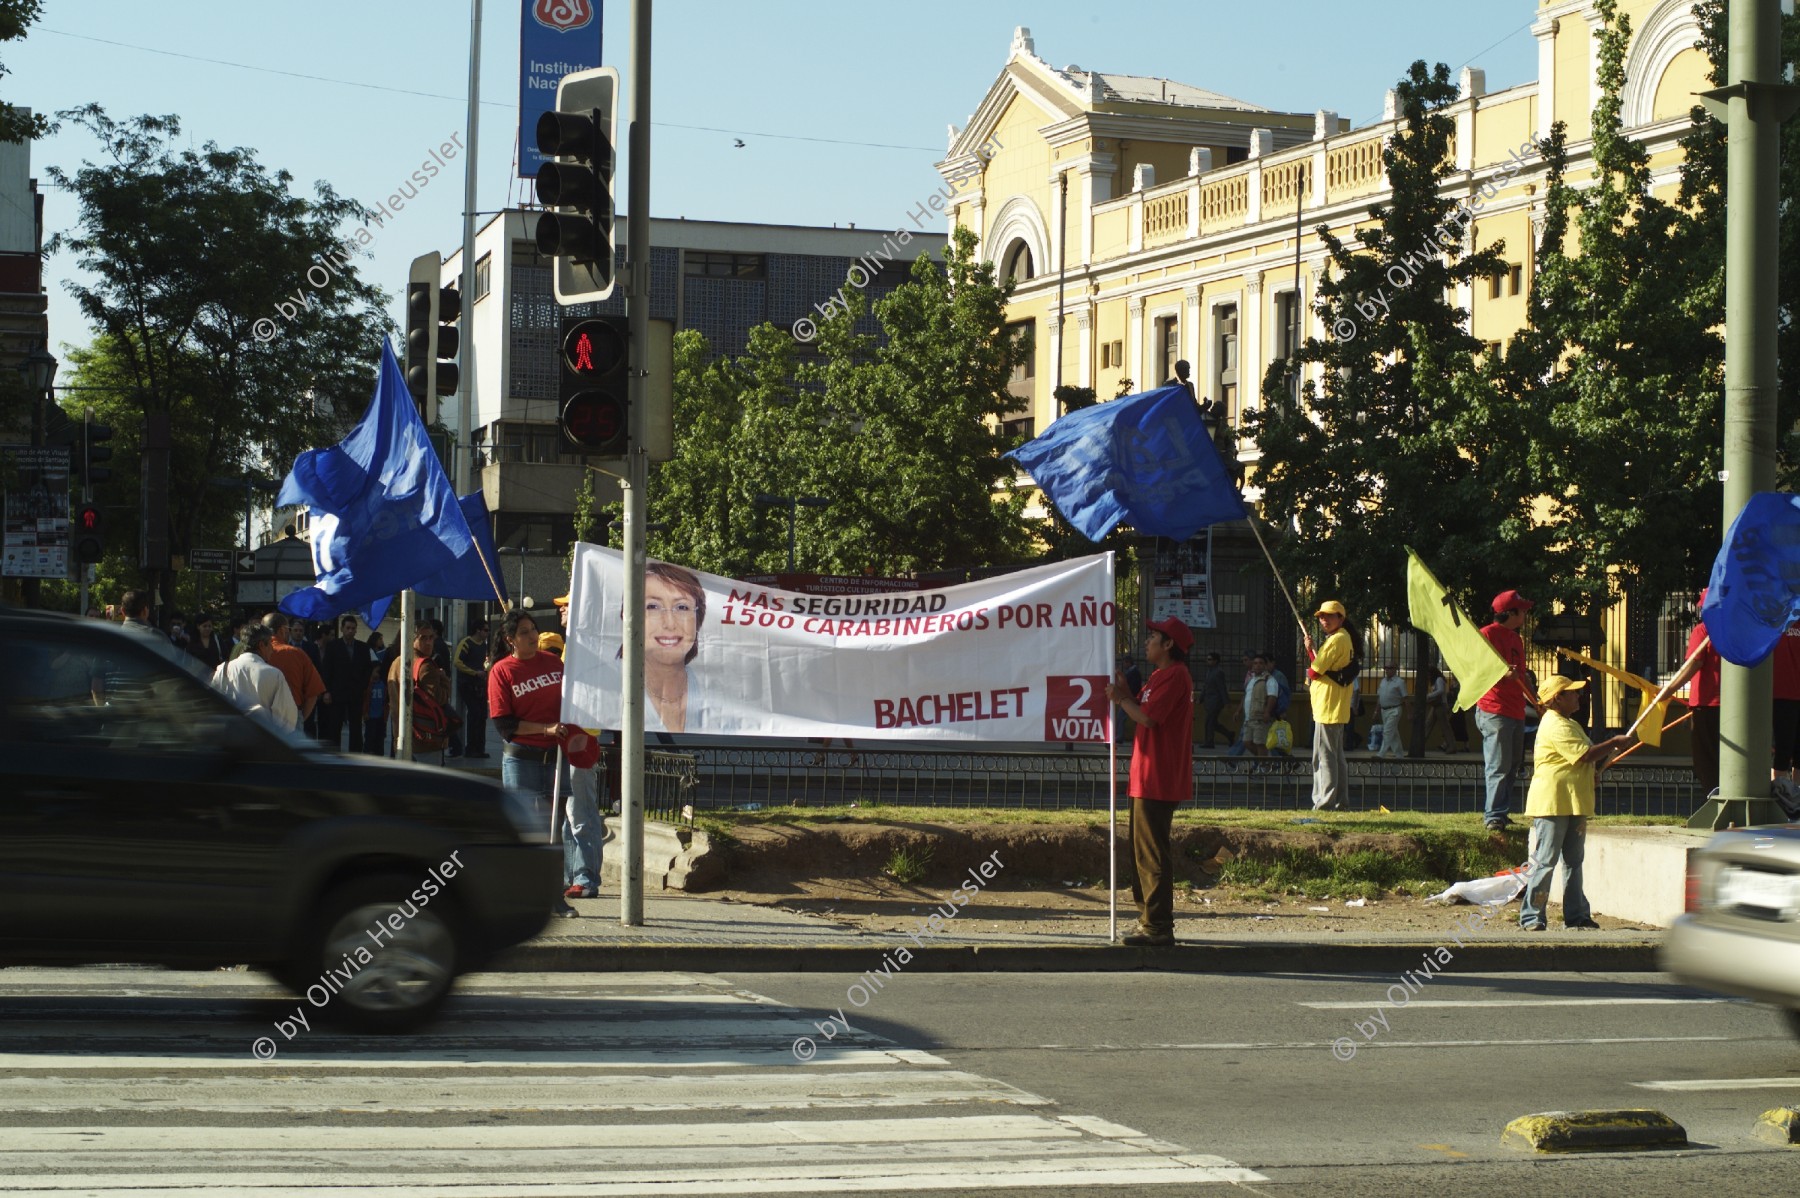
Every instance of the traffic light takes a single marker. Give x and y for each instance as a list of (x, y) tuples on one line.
[(95, 451), (89, 543), (432, 313), (593, 377), (577, 185)]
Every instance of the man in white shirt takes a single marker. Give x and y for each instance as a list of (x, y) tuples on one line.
[(1390, 695), (249, 681)]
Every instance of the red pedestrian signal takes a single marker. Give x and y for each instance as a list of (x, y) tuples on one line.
[(594, 384), (89, 545)]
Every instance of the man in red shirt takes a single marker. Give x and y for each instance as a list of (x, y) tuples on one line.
[(1702, 701), (1500, 714), (1162, 772)]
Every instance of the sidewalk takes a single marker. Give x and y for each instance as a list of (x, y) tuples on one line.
[(698, 934)]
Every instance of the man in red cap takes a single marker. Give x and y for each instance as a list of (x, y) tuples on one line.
[(1500, 714), (1162, 772)]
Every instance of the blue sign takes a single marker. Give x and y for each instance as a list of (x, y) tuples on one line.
[(555, 38)]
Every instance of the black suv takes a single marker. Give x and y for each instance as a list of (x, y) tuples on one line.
[(144, 818)]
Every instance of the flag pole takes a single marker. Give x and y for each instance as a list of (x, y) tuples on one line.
[(1112, 820), (1634, 748), (1669, 688), (1285, 594)]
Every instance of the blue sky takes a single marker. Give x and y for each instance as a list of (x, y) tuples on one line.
[(843, 106)]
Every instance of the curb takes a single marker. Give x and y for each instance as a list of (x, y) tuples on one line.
[(564, 957), (1594, 1131)]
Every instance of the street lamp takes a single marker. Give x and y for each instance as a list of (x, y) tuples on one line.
[(792, 504), (39, 371)]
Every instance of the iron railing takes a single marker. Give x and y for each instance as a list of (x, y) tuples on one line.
[(725, 778)]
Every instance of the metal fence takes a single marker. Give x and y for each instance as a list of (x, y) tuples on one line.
[(722, 778)]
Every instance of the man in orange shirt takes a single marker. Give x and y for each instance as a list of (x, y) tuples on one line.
[(302, 676), (1162, 772)]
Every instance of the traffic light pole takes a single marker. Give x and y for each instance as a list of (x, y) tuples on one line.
[(464, 452), (637, 311)]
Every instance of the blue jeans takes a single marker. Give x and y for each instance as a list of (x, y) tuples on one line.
[(582, 828), (532, 777), (1555, 836), (1503, 752)]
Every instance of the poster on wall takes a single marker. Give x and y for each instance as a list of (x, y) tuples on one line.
[(36, 511), (1181, 581), (1020, 657)]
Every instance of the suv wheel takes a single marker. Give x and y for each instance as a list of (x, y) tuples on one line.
[(409, 970)]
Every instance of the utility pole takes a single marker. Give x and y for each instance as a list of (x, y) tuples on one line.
[(1753, 107), (462, 456), (637, 312)]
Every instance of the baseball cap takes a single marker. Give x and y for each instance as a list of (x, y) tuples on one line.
[(582, 749), (1175, 630), (561, 601), (1507, 601), (1331, 607), (1555, 685), (551, 642)]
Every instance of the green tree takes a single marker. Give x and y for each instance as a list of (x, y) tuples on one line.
[(16, 125), (1386, 447), (189, 253), (925, 485), (900, 438), (1618, 376)]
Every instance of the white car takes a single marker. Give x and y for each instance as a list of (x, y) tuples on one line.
[(1741, 933)]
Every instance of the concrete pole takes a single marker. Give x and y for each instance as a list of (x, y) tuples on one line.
[(637, 313), (1751, 306)]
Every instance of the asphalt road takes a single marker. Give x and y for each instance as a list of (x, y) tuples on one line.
[(142, 1080)]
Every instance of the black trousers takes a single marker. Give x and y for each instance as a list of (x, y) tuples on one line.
[(1704, 739), (331, 722), (1154, 887), (475, 714)]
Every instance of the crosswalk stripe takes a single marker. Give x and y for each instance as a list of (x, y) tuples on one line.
[(1724, 1083), (1522, 1001), (793, 1089), (343, 1112)]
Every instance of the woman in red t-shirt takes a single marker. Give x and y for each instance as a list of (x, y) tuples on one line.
[(525, 707)]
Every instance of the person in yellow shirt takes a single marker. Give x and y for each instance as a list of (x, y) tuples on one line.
[(1329, 679), (1559, 803)]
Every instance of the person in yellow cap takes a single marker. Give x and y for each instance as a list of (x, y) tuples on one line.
[(1330, 676), (1559, 803)]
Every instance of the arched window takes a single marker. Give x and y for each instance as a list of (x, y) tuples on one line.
[(1017, 263)]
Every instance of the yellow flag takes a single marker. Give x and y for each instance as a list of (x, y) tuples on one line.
[(1650, 730), (1465, 650)]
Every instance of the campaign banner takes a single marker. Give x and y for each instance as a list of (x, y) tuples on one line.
[(1020, 657), (556, 37)]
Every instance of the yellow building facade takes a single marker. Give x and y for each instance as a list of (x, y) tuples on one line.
[(1147, 221)]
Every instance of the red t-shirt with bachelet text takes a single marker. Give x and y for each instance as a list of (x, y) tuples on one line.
[(530, 691), (1162, 758)]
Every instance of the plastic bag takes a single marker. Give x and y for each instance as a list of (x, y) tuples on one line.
[(1281, 736)]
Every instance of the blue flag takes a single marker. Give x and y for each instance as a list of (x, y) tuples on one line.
[(476, 574), (383, 515), (1145, 459), (1754, 592)]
